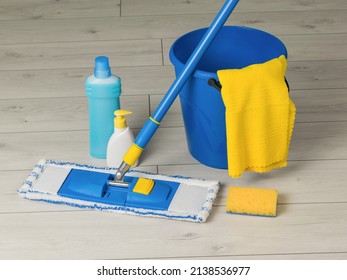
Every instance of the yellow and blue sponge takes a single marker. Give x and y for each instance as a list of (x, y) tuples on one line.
[(252, 201)]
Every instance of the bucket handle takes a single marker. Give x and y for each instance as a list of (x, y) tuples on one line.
[(216, 84)]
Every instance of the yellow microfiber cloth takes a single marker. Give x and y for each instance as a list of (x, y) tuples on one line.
[(259, 116), (252, 201)]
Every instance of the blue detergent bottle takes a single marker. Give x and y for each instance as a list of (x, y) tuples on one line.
[(103, 90)]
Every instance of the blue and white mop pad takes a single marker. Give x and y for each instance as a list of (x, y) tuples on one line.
[(87, 187)]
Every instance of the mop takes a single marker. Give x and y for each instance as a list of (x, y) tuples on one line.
[(127, 191), (87, 187)]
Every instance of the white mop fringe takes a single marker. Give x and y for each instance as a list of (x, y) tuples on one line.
[(28, 191)]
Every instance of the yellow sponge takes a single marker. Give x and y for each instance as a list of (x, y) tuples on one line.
[(252, 201), (144, 186)]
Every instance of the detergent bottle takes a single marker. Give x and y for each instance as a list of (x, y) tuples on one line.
[(103, 90), (120, 141)]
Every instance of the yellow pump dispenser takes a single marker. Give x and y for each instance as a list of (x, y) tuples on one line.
[(120, 141), (120, 120)]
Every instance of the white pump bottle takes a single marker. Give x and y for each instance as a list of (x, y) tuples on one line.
[(120, 141)]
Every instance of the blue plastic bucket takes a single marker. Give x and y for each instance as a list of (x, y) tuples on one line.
[(202, 106)]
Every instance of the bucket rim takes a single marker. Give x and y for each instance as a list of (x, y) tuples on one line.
[(201, 74)]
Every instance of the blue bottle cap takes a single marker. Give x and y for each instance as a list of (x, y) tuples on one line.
[(102, 68)]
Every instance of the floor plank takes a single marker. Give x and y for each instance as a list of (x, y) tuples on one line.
[(168, 146), (169, 7), (16, 155), (37, 9), (169, 26), (52, 83), (321, 256), (28, 148), (320, 74), (139, 80), (300, 229), (320, 105), (62, 114), (315, 46), (300, 182), (75, 55), (314, 141)]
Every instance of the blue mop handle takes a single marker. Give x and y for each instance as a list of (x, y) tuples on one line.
[(153, 122)]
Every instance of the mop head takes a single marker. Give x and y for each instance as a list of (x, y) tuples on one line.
[(252, 201), (86, 187)]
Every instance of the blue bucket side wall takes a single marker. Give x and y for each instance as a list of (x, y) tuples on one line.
[(204, 122)]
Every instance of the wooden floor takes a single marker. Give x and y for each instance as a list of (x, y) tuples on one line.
[(47, 50)]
